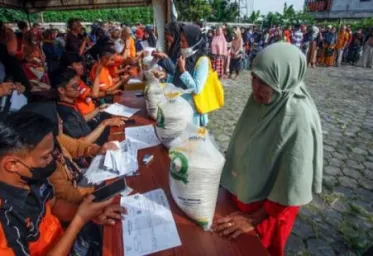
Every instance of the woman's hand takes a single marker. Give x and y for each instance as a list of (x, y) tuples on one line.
[(181, 64), (108, 146), (115, 121), (233, 225), (159, 55)]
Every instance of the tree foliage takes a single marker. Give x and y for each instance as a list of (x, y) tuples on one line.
[(193, 10), (224, 11), (123, 15)]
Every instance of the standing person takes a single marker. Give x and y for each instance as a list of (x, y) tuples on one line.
[(312, 53), (168, 60), (288, 34), (139, 34), (366, 60), (347, 48), (52, 50), (236, 54), (275, 157), (355, 47), (342, 40), (297, 38), (23, 28), (330, 39), (129, 50), (34, 65), (219, 49), (193, 68), (150, 37), (75, 41)]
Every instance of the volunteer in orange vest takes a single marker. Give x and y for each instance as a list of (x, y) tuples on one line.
[(100, 73), (29, 213)]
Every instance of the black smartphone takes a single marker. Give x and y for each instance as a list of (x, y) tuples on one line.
[(131, 121), (110, 190), (139, 94)]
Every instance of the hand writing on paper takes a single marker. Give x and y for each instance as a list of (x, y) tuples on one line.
[(233, 225)]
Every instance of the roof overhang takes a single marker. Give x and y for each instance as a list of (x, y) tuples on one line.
[(32, 6)]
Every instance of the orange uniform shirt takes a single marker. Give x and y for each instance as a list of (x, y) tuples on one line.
[(106, 80), (84, 103)]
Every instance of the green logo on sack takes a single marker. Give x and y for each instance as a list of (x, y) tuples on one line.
[(179, 171), (160, 119)]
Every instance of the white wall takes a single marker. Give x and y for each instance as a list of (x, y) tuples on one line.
[(352, 5)]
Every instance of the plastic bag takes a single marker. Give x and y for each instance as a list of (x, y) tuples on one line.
[(196, 167)]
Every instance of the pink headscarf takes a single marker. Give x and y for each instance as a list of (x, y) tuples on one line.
[(219, 44)]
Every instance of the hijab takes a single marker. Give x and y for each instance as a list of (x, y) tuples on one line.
[(174, 30), (276, 151), (152, 41), (219, 44), (193, 35), (236, 42)]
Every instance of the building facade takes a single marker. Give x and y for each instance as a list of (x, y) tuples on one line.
[(340, 9)]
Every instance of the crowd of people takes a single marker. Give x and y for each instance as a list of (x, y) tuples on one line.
[(46, 206), (323, 46)]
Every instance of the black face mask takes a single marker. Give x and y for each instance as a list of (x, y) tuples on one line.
[(39, 175)]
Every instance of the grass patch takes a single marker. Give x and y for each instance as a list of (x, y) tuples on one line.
[(329, 199), (355, 239), (360, 210)]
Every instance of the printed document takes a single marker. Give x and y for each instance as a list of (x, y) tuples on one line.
[(143, 136), (121, 110), (149, 226)]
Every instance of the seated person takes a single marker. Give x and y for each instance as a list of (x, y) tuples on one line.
[(101, 72), (67, 175), (85, 102), (74, 123), (29, 213)]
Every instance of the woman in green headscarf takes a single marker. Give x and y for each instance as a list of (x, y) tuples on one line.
[(274, 160)]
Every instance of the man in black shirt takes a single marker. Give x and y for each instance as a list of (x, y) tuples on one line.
[(29, 212), (75, 41), (74, 123)]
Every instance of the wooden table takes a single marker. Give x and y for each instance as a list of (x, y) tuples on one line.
[(155, 175)]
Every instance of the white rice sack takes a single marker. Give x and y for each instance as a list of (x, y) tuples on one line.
[(173, 116), (153, 94), (196, 166)]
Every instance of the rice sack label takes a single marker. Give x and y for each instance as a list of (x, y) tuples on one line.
[(195, 171)]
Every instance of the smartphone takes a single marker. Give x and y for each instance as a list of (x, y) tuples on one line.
[(139, 94), (110, 190)]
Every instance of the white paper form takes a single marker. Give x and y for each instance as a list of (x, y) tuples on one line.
[(143, 136), (123, 160), (149, 226), (121, 110), (17, 101), (134, 81)]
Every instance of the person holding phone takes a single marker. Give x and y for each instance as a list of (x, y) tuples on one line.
[(30, 214), (68, 176)]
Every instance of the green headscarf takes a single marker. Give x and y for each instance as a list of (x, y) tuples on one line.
[(276, 151)]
